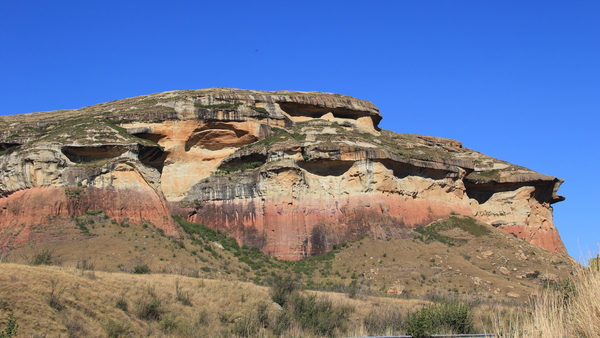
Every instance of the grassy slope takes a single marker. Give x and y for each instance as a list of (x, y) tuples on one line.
[(85, 303), (446, 259), (456, 256)]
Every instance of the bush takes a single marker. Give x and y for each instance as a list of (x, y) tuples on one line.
[(447, 317), (115, 329), (282, 288), (319, 316), (150, 309), (247, 326), (54, 298), (141, 269), (259, 110), (12, 327), (169, 323), (182, 296), (43, 257), (281, 323), (122, 303), (382, 321), (94, 212)]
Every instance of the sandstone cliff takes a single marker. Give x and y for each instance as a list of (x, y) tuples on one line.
[(292, 173)]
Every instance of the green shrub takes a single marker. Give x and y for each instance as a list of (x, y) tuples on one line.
[(150, 309), (182, 296), (281, 323), (169, 323), (122, 303), (319, 316), (141, 269), (282, 288), (259, 110), (431, 232), (116, 329), (382, 321), (43, 257), (94, 212), (446, 317), (12, 327), (246, 326)]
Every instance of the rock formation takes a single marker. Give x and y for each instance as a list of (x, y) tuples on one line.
[(292, 173)]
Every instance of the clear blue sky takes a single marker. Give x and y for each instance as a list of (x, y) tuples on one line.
[(517, 80)]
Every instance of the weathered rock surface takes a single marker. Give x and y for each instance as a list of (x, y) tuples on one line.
[(293, 173)]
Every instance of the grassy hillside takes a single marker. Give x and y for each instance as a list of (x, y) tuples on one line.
[(98, 278), (456, 256)]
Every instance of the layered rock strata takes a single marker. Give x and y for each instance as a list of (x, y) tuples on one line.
[(292, 173)]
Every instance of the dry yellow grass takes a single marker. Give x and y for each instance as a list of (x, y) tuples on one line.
[(85, 304), (570, 310)]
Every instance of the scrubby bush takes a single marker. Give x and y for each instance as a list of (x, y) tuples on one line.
[(445, 317), (150, 307), (246, 326), (386, 320), (319, 316), (43, 257), (182, 296), (282, 288), (141, 269), (116, 329)]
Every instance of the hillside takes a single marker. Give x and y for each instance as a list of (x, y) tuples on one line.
[(455, 256), (104, 278)]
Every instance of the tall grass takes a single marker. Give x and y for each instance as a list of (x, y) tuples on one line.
[(569, 309)]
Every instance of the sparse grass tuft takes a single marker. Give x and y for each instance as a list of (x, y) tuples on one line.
[(182, 296), (55, 296)]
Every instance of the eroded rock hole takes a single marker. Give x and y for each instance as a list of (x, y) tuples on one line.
[(482, 192), (326, 167), (216, 136), (297, 109), (90, 154), (150, 136), (7, 148), (152, 157), (402, 170)]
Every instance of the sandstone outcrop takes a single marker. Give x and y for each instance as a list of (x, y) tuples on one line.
[(292, 173)]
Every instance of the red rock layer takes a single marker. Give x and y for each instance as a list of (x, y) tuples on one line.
[(22, 211), (546, 238), (293, 229)]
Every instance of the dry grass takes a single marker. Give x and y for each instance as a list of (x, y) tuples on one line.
[(62, 302), (565, 310)]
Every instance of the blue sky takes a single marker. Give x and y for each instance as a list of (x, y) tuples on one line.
[(517, 80)]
